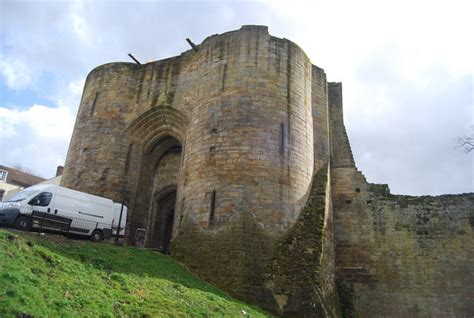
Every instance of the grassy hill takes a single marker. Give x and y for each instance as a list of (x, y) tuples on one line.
[(44, 278)]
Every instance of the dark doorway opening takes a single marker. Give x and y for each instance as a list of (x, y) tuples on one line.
[(163, 209)]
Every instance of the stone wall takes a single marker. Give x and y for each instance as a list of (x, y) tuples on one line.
[(301, 274), (341, 153), (412, 256), (397, 256), (250, 139), (97, 153), (291, 275), (319, 101), (231, 136), (241, 109), (167, 171)]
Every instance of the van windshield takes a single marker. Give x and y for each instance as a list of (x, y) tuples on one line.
[(20, 196)]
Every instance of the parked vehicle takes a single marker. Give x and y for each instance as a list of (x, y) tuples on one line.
[(56, 208)]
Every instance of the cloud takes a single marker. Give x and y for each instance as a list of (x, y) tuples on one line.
[(43, 121), (408, 140), (38, 136), (406, 69), (78, 22), (16, 74)]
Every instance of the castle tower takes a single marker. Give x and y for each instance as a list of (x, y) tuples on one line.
[(226, 127), (214, 150)]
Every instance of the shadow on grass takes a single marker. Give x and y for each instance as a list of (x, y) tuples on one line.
[(125, 260)]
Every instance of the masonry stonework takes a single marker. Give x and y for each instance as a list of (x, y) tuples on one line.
[(235, 159)]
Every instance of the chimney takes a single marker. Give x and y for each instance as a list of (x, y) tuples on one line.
[(59, 171)]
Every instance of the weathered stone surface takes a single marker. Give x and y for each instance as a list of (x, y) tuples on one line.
[(240, 107), (292, 275), (238, 156), (398, 256)]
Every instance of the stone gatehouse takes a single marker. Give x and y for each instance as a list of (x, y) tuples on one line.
[(234, 157)]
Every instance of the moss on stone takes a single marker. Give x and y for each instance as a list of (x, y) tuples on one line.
[(279, 274), (231, 257), (346, 293)]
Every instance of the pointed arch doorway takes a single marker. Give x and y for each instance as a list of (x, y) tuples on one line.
[(160, 134), (163, 211), (167, 156)]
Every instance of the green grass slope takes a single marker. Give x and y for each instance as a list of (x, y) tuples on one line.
[(66, 278)]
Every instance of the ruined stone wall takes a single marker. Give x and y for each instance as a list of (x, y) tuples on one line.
[(301, 276), (412, 256), (397, 256), (341, 153), (319, 101)]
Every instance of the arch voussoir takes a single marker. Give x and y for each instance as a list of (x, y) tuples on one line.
[(156, 123)]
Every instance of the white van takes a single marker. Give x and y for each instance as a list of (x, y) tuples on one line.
[(56, 208)]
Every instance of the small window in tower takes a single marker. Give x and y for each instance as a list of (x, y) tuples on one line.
[(212, 149), (93, 103), (358, 190), (282, 139), (224, 76), (348, 201), (129, 154), (212, 216)]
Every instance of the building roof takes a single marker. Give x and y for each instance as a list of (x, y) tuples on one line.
[(21, 178)]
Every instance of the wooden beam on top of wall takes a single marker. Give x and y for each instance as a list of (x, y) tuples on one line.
[(133, 58), (194, 46)]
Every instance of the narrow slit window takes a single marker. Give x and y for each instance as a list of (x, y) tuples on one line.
[(282, 139), (224, 76), (129, 155), (93, 103), (212, 216)]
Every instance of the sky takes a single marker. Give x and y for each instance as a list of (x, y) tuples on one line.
[(406, 69)]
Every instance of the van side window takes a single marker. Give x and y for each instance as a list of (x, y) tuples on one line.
[(42, 199)]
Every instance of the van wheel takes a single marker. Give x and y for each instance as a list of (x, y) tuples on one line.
[(97, 236), (23, 223)]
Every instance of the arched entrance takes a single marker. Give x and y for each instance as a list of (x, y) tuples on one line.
[(159, 132), (167, 155), (163, 209)]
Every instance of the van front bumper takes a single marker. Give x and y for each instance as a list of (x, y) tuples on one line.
[(8, 214)]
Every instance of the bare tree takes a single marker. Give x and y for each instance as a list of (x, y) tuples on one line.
[(466, 143), (22, 168)]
